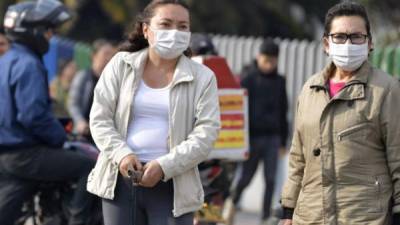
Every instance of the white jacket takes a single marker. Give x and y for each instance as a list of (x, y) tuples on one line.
[(194, 122)]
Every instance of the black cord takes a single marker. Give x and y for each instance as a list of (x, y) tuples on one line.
[(134, 178), (133, 204)]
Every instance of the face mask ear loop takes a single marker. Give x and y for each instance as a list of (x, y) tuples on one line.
[(329, 45)]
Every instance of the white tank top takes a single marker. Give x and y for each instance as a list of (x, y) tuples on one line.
[(148, 131)]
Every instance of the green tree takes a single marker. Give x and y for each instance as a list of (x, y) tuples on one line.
[(385, 19)]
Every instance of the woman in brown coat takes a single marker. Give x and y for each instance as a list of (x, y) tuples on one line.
[(345, 155)]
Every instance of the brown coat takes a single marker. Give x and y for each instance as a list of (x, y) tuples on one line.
[(345, 155)]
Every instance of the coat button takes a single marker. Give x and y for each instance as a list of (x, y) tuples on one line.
[(317, 152)]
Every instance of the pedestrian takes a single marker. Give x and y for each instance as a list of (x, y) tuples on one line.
[(82, 88), (155, 111), (268, 122), (59, 88), (345, 155), (4, 42)]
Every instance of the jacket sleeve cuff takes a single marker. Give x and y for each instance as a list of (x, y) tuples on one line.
[(120, 154), (396, 209), (396, 218), (163, 161), (287, 213)]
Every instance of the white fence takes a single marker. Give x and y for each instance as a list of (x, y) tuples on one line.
[(298, 60)]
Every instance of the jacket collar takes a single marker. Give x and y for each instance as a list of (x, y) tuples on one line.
[(183, 71), (24, 48), (361, 75), (354, 89)]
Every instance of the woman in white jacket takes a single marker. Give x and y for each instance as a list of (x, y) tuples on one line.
[(154, 111)]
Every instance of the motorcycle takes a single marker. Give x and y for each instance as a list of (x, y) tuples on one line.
[(216, 176), (49, 205)]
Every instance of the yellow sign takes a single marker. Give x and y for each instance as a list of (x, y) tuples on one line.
[(233, 121), (230, 139)]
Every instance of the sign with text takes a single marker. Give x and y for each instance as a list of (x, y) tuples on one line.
[(233, 140)]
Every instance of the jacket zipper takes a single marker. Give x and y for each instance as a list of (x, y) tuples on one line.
[(169, 139), (169, 142), (350, 130), (378, 194), (132, 97)]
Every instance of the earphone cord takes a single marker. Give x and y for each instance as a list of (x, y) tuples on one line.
[(133, 205)]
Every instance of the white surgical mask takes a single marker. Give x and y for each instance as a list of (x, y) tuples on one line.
[(348, 57), (170, 44)]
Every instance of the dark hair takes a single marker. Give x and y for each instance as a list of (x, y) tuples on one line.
[(346, 9), (136, 41), (269, 47)]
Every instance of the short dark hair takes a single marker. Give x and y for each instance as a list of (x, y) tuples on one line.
[(269, 47), (346, 8)]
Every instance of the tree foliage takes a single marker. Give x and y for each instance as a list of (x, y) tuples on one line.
[(111, 19)]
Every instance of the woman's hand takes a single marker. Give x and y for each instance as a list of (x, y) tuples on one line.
[(282, 152), (82, 127), (129, 162), (152, 174), (285, 222)]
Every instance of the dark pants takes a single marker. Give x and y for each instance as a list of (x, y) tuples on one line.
[(135, 205), (263, 148), (21, 171)]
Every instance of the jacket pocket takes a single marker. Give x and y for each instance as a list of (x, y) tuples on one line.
[(368, 197), (188, 190), (354, 131), (309, 207), (382, 186), (102, 179)]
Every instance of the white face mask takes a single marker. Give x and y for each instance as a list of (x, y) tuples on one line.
[(170, 44), (348, 57)]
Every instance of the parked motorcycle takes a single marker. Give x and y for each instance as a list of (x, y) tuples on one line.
[(216, 176)]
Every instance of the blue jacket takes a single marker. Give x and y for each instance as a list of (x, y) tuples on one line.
[(25, 111)]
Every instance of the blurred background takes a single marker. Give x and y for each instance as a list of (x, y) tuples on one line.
[(237, 29), (300, 19)]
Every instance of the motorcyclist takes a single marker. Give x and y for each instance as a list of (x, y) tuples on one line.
[(31, 138)]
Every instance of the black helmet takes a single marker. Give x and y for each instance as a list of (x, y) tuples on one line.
[(27, 22)]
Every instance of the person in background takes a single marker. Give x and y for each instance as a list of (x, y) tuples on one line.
[(344, 164), (216, 185), (201, 45), (268, 122), (4, 42), (59, 89), (81, 91), (155, 111), (31, 138)]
